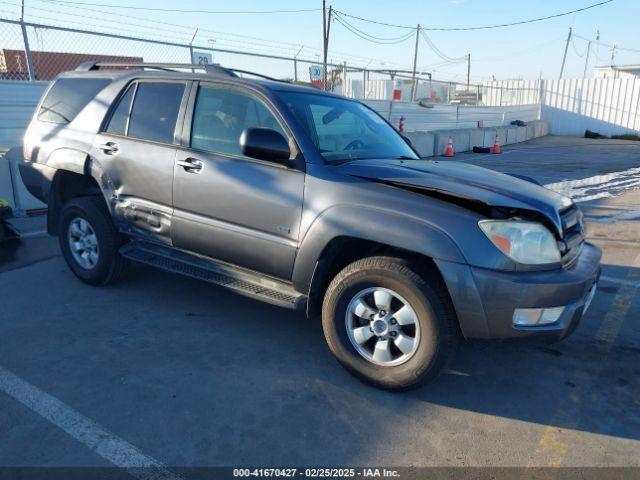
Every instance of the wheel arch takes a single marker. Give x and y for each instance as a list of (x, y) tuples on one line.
[(66, 185), (342, 236)]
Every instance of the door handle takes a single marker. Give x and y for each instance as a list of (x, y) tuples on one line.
[(190, 165), (109, 147)]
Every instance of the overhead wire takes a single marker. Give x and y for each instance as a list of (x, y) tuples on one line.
[(371, 38), (200, 11), (439, 52), (231, 38), (635, 50), (483, 27)]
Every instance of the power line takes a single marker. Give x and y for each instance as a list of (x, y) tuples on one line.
[(635, 50), (276, 44), (371, 38), (439, 52), (484, 27), (575, 49), (176, 10)]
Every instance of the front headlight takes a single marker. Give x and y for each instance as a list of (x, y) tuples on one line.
[(530, 243)]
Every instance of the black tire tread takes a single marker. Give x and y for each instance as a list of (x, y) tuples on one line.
[(427, 281), (111, 240)]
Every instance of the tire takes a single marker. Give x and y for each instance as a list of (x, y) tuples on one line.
[(109, 265), (435, 329)]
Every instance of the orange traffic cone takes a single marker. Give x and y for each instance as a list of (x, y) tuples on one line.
[(496, 145), (449, 150)]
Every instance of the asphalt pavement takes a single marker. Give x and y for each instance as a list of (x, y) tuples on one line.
[(175, 372)]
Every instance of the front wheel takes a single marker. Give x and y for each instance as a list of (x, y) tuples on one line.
[(388, 324)]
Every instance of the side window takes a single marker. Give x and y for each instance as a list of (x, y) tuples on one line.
[(221, 115), (155, 111), (68, 96), (118, 122)]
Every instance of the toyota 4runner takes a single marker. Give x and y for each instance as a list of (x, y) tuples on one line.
[(306, 200)]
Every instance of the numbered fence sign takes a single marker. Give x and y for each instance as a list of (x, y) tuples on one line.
[(202, 58)]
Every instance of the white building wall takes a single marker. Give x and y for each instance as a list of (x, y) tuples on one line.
[(605, 105), (18, 100)]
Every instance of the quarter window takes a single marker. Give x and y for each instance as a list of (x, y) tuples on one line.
[(222, 114), (155, 111), (68, 96)]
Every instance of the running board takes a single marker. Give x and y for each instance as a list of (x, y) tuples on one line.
[(237, 279)]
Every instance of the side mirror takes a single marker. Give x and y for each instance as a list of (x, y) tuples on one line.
[(264, 144)]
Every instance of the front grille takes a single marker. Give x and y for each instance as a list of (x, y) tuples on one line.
[(573, 232)]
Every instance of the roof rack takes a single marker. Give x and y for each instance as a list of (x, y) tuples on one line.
[(171, 67)]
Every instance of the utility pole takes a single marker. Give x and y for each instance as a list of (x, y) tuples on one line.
[(193, 37), (468, 70), (566, 49), (326, 28), (613, 52), (344, 79), (415, 64), (586, 62), (295, 65)]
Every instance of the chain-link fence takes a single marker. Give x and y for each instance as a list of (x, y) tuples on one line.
[(39, 52)]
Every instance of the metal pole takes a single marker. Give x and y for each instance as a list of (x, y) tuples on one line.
[(364, 83), (415, 63), (295, 64), (468, 70), (344, 79), (586, 62), (193, 37), (326, 28), (566, 49), (613, 53), (25, 39)]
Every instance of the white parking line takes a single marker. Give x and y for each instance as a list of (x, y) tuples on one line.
[(621, 281), (104, 443)]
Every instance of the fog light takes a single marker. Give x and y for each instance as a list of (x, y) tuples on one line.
[(536, 316)]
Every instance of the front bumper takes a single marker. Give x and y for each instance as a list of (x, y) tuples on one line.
[(485, 300)]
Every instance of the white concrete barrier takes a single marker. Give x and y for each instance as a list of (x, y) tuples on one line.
[(6, 183), (489, 137), (12, 188), (512, 135), (465, 139), (476, 137), (459, 138), (531, 131), (423, 142)]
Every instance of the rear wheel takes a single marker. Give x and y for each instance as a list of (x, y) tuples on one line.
[(89, 241), (388, 324)]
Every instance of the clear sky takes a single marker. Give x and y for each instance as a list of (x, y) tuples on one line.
[(523, 51)]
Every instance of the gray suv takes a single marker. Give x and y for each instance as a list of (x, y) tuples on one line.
[(306, 200)]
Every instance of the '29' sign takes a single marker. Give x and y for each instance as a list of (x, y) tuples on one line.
[(202, 58)]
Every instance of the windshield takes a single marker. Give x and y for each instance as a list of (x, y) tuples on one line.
[(346, 130)]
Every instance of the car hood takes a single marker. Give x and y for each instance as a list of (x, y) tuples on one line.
[(464, 181)]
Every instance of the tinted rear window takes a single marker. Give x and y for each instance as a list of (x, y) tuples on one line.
[(155, 111), (68, 96)]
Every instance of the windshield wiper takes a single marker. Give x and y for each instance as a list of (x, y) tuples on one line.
[(346, 160)]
